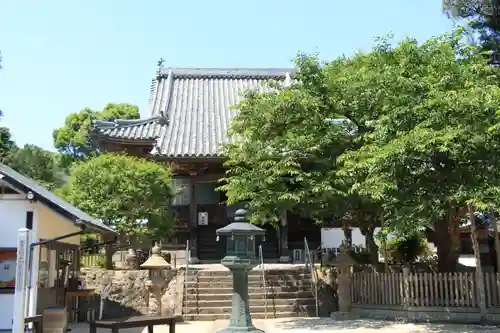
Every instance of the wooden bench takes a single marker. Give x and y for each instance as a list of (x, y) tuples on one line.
[(134, 322)]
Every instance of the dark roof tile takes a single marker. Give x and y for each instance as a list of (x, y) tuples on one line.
[(198, 104)]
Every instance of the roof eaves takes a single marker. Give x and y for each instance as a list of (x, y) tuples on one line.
[(120, 123)]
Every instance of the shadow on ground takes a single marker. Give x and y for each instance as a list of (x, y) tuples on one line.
[(323, 324)]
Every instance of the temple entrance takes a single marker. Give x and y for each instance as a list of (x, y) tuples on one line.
[(209, 249), (270, 247)]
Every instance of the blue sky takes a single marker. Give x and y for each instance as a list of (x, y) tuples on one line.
[(62, 56)]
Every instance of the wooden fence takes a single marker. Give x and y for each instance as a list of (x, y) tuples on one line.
[(92, 260), (424, 289)]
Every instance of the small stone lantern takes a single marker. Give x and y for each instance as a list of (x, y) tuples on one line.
[(131, 261), (344, 262), (157, 279), (240, 259)]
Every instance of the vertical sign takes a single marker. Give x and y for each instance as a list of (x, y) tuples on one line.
[(23, 253)]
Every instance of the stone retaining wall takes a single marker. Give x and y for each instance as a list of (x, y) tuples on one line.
[(128, 294)]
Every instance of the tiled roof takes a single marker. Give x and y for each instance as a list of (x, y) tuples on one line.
[(26, 184), (137, 129), (197, 103)]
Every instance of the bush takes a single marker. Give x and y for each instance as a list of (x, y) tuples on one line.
[(407, 250)]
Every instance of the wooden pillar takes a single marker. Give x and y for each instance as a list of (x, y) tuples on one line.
[(497, 241), (283, 234), (193, 222)]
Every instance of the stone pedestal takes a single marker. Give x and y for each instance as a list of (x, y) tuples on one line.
[(344, 289), (344, 264), (241, 319)]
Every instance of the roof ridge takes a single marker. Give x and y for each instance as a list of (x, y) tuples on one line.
[(225, 72)]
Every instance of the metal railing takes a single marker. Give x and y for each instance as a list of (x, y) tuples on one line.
[(309, 263), (263, 276), (186, 276)]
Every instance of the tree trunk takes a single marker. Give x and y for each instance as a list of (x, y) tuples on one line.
[(447, 240), (371, 246), (384, 245), (109, 252), (477, 256), (347, 236), (497, 241)]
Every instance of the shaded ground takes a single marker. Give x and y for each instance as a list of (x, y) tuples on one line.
[(306, 325)]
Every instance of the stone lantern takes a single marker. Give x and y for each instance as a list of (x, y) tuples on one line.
[(157, 279), (131, 261), (240, 259), (344, 262)]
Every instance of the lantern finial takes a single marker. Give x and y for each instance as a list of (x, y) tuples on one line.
[(156, 250), (241, 215)]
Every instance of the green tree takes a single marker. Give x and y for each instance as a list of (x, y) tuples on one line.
[(285, 152), (483, 17), (6, 142), (73, 140), (124, 192), (38, 164), (431, 151), (422, 117), (278, 163)]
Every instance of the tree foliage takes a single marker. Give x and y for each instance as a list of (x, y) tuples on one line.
[(73, 140), (6, 142), (483, 17), (39, 164), (431, 146), (283, 157), (415, 138), (123, 191)]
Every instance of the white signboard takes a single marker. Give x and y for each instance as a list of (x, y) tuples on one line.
[(23, 253), (202, 218)]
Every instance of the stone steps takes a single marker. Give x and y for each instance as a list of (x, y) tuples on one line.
[(251, 290), (229, 278), (300, 309), (255, 295), (255, 315), (271, 303), (251, 284), (274, 272), (288, 293)]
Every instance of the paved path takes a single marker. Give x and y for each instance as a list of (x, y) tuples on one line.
[(313, 325)]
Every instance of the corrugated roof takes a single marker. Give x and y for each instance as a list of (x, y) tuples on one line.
[(26, 184), (197, 103)]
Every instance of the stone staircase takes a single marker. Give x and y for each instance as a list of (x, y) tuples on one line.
[(289, 293)]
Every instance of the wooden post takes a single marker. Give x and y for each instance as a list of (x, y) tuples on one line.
[(497, 240), (477, 255), (406, 287), (193, 222), (384, 245), (283, 239)]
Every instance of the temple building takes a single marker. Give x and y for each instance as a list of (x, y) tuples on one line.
[(190, 112)]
